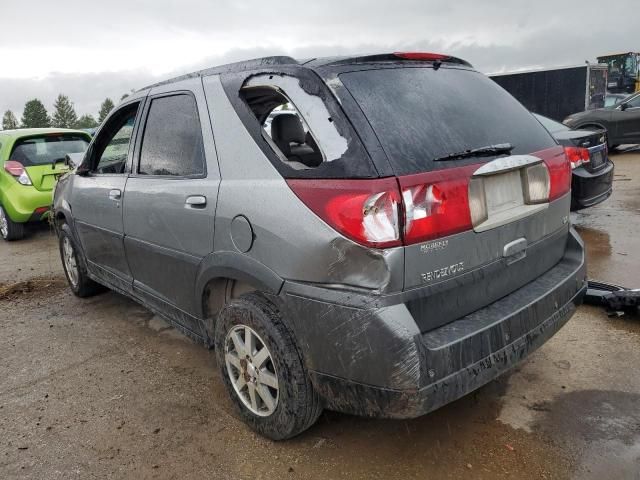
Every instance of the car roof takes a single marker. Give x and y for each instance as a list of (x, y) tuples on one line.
[(28, 132), (312, 63)]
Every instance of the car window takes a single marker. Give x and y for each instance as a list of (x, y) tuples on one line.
[(47, 149), (634, 102), (172, 142), (288, 130), (114, 139), (421, 114), (611, 100), (551, 125)]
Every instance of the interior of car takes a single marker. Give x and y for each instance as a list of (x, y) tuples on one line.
[(284, 125)]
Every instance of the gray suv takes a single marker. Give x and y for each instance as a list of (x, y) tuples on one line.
[(398, 236)]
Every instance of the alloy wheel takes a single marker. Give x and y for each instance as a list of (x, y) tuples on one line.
[(4, 225), (251, 369), (70, 264)]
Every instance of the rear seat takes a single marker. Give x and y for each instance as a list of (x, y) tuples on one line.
[(288, 134)]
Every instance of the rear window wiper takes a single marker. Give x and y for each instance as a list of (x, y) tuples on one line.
[(497, 149)]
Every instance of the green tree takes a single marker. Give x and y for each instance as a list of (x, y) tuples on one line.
[(86, 121), (64, 115), (35, 115), (9, 121), (105, 108)]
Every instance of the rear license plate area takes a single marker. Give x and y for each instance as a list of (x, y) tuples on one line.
[(505, 199), (503, 192), (596, 158)]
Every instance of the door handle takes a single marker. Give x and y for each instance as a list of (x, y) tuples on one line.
[(196, 201), (115, 194)]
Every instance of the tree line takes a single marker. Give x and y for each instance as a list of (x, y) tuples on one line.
[(35, 115)]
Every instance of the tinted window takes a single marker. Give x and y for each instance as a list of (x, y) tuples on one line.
[(551, 125), (420, 114), (112, 144), (172, 142), (634, 102), (611, 100), (47, 149)]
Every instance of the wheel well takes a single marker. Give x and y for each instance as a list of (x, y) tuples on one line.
[(219, 291), (57, 221)]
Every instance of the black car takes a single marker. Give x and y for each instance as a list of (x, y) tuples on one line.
[(621, 121), (592, 171)]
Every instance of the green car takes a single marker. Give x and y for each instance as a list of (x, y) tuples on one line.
[(30, 162)]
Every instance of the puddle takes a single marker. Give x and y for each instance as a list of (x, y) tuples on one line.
[(601, 427)]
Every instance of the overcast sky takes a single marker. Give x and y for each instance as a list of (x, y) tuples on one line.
[(91, 50)]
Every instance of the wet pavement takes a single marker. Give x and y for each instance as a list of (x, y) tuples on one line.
[(100, 388)]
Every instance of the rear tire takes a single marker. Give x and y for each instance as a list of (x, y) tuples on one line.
[(294, 406), (74, 266), (9, 229)]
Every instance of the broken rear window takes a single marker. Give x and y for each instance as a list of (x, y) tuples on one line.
[(298, 124)]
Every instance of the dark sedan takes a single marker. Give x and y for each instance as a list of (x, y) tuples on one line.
[(621, 121), (592, 179)]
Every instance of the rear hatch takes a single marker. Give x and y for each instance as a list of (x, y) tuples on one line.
[(43, 156), (484, 186)]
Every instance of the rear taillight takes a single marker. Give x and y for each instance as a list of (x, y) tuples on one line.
[(577, 156), (536, 184), (17, 171), (436, 203), (390, 212), (366, 211), (421, 56), (559, 175)]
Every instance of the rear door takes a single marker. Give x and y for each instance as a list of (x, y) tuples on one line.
[(98, 194), (476, 225), (171, 195)]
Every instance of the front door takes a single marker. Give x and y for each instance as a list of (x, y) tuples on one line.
[(171, 197), (98, 196), (627, 121)]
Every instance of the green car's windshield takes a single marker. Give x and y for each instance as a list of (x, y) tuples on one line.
[(46, 149)]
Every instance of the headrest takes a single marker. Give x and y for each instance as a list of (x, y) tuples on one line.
[(287, 128)]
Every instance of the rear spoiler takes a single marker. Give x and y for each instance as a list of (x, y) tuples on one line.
[(436, 58)]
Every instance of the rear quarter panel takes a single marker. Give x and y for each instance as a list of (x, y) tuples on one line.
[(289, 239)]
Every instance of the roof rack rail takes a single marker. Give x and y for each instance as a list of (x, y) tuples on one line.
[(252, 64)]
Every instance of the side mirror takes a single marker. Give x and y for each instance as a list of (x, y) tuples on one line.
[(82, 171), (72, 160), (623, 106)]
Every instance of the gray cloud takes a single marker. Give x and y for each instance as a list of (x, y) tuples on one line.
[(137, 43)]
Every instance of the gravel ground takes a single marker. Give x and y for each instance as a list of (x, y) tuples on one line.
[(100, 388)]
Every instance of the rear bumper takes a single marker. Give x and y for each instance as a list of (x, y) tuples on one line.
[(589, 189), (374, 361), (21, 201)]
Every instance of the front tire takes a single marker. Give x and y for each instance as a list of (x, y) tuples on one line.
[(263, 370), (9, 229), (74, 268)]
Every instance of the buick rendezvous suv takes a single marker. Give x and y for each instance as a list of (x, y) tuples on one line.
[(396, 236)]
